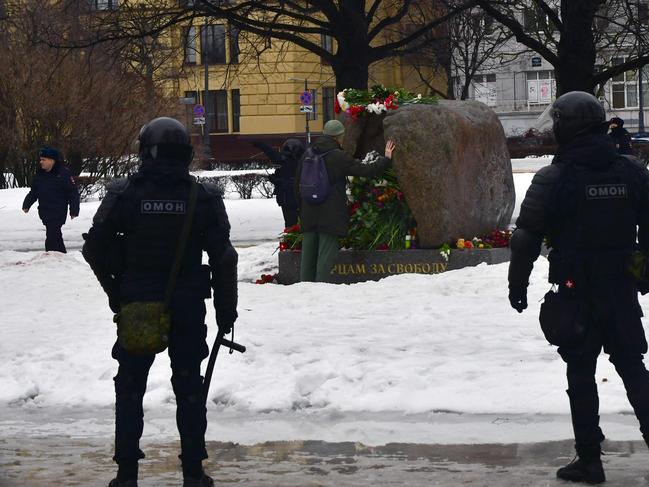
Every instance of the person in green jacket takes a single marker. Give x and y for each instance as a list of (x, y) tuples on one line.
[(323, 224)]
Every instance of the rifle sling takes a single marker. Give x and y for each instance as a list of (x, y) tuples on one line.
[(182, 243)]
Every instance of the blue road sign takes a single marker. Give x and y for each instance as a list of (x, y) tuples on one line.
[(199, 111), (306, 98)]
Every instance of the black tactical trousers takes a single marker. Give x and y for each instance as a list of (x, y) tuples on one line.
[(615, 326), (54, 237), (187, 348)]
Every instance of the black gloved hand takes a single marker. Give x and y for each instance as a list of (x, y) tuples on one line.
[(225, 328), (518, 298), (113, 303)]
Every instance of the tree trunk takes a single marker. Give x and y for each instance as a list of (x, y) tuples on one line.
[(576, 51), (352, 60)]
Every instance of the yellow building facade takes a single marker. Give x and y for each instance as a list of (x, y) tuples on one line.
[(255, 90)]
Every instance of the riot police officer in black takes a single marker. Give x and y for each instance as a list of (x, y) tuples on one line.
[(131, 247), (592, 207)]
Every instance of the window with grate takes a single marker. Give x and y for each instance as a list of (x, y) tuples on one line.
[(213, 44)]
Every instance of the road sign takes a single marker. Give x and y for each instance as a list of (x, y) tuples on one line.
[(306, 98), (199, 120), (306, 108), (199, 111)]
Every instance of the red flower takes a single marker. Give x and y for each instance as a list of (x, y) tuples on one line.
[(383, 246), (336, 106), (283, 246), (355, 111), (353, 208), (391, 102)]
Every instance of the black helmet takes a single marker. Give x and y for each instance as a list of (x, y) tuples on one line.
[(165, 138), (293, 148), (576, 113)]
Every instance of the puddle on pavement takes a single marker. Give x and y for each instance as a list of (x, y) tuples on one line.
[(68, 461)]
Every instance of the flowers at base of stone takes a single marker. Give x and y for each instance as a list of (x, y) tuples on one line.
[(445, 251), (376, 101), (291, 238), (496, 239), (267, 279), (379, 218)]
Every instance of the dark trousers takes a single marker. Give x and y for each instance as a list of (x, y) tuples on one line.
[(613, 327), (54, 237), (290, 216), (187, 349)]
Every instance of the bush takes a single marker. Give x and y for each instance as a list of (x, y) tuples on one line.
[(245, 184)]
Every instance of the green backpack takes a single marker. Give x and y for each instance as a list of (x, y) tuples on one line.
[(143, 327)]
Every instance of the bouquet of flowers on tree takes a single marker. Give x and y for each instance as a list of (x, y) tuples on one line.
[(376, 100)]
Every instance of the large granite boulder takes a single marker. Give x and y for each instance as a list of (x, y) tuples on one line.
[(454, 168)]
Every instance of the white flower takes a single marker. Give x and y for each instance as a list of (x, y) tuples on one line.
[(419, 96), (341, 101), (376, 108)]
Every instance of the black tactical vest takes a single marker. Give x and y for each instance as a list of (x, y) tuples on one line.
[(153, 217), (594, 223)]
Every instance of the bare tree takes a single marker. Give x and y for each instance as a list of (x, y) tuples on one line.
[(466, 44), (363, 31), (577, 36), (83, 101)]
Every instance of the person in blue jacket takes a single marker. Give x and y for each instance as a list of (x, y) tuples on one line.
[(54, 188)]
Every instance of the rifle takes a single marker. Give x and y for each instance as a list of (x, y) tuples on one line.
[(220, 340)]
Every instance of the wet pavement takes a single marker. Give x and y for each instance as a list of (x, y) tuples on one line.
[(48, 461)]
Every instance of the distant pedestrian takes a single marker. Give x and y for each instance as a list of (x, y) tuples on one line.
[(284, 176), (620, 136), (324, 223), (54, 188)]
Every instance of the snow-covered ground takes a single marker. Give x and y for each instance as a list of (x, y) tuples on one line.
[(408, 357)]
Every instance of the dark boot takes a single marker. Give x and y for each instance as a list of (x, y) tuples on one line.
[(123, 483), (589, 471), (204, 481)]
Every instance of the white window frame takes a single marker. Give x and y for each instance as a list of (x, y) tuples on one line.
[(485, 89), (541, 87)]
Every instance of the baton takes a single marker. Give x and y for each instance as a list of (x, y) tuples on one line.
[(220, 340)]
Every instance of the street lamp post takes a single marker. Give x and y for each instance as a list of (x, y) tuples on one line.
[(207, 149)]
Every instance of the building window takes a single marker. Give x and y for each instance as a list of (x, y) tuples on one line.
[(234, 44), (328, 97), (218, 110), (624, 87), (643, 13), (536, 20), (541, 87), (484, 89), (103, 4), (236, 110), (213, 44), (314, 103), (189, 43), (327, 42)]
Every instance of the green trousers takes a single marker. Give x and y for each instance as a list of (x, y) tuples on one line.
[(319, 252)]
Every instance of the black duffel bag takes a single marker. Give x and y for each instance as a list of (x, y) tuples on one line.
[(563, 319)]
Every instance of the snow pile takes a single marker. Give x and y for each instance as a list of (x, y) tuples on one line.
[(408, 344)]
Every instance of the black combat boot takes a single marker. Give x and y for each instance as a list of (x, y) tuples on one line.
[(587, 470), (122, 483), (204, 481)]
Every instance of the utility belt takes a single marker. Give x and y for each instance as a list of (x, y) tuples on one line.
[(591, 268), (566, 314)]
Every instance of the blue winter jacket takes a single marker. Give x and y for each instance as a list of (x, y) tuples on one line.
[(55, 191)]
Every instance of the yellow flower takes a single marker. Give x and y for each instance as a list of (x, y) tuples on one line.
[(481, 246), (460, 243)]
